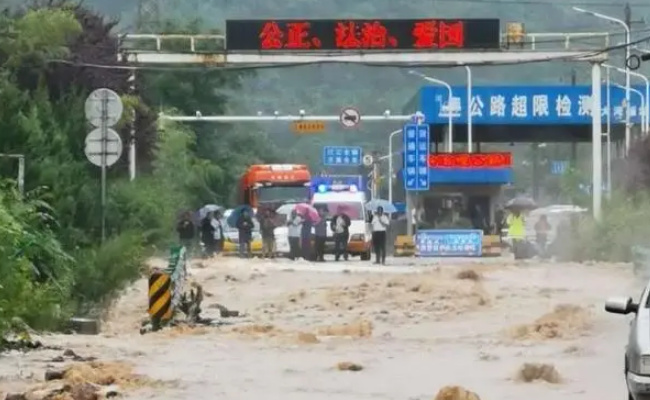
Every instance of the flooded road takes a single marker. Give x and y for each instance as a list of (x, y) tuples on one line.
[(414, 328)]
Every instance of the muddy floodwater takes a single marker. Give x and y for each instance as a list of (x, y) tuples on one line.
[(501, 329)]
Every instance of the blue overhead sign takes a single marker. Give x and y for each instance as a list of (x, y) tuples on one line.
[(449, 243), (416, 157), (559, 167), (524, 105), (342, 156)]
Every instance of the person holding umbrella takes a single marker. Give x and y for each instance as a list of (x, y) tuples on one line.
[(320, 230), (294, 226), (267, 228), (517, 225), (379, 222), (517, 232), (340, 225), (207, 235), (218, 231), (186, 232)]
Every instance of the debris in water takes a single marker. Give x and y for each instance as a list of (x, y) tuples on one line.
[(349, 366), (456, 393), (469, 274), (565, 321), (530, 372)]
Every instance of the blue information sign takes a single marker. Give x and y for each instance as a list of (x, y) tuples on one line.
[(416, 157), (559, 167), (449, 243), (342, 156)]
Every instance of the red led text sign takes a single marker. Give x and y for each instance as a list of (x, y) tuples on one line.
[(345, 35), (470, 160)]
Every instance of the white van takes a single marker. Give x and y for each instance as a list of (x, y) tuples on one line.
[(346, 199)]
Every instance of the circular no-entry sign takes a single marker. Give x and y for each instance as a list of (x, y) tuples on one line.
[(350, 117)]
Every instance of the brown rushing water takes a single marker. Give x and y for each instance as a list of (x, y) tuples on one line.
[(413, 333)]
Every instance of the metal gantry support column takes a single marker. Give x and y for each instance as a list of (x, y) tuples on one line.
[(597, 141)]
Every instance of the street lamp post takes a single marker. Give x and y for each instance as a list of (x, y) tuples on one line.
[(608, 149), (390, 164), (450, 140), (469, 109), (646, 108), (627, 70)]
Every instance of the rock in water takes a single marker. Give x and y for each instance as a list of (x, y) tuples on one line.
[(456, 393)]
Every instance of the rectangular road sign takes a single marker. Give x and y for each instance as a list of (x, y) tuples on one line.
[(342, 156), (416, 157), (559, 167), (308, 126)]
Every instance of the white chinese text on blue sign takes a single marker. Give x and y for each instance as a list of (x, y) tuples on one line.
[(342, 156), (416, 157), (525, 105), (449, 243), (559, 167)]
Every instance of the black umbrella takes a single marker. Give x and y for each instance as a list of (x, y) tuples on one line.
[(521, 203)]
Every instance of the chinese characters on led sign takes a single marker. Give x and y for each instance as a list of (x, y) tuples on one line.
[(310, 35), (470, 160)]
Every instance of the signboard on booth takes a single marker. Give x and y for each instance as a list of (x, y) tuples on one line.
[(342, 156), (449, 243), (362, 34), (416, 157), (524, 105)]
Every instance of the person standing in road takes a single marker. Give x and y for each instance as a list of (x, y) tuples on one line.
[(186, 232), (517, 232), (320, 230), (379, 224), (542, 230), (267, 229), (306, 237), (207, 235), (218, 232), (294, 224), (340, 226), (245, 227)]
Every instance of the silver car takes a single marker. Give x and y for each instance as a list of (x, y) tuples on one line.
[(637, 351)]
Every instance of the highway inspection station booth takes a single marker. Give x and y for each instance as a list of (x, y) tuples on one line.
[(460, 183)]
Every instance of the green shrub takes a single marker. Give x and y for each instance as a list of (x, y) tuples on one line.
[(625, 223), (34, 270), (102, 272)]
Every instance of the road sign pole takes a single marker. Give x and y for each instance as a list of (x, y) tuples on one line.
[(104, 128)]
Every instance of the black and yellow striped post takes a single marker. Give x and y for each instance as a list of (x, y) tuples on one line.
[(160, 299)]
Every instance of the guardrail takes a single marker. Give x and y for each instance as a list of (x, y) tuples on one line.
[(557, 41)]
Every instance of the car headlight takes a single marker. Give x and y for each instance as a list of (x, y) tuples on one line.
[(358, 237), (644, 365)]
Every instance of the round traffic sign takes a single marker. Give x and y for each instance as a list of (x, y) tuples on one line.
[(103, 105), (95, 150), (350, 117), (418, 117), (368, 160)]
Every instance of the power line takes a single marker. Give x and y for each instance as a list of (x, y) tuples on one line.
[(546, 3)]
